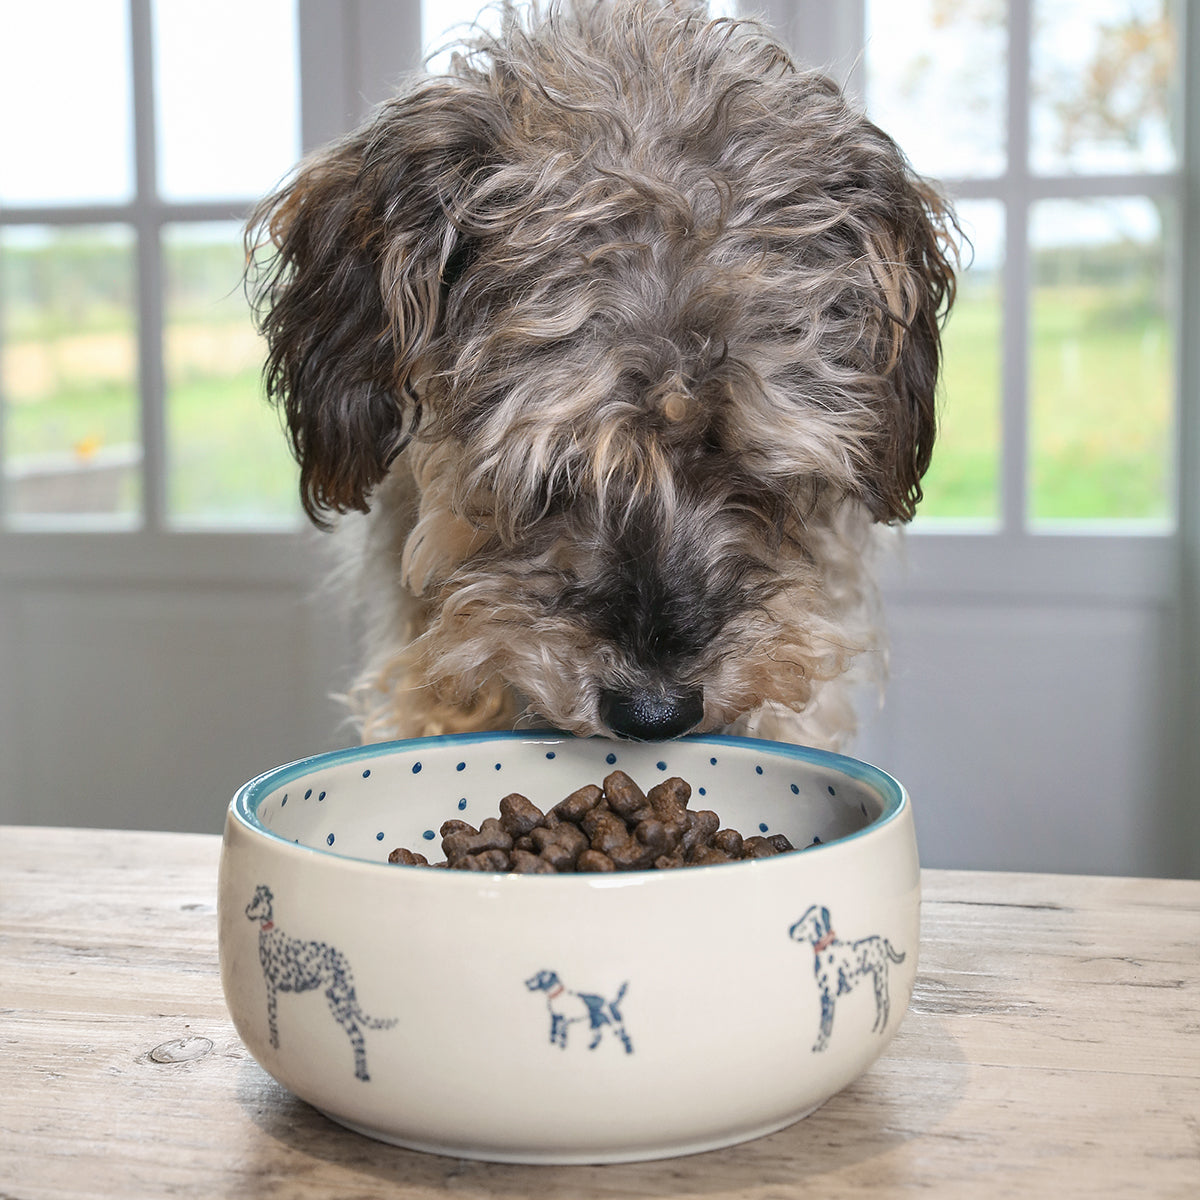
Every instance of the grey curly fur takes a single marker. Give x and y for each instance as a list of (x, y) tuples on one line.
[(625, 334)]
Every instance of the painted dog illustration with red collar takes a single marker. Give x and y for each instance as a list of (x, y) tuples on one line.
[(568, 1007), (840, 966)]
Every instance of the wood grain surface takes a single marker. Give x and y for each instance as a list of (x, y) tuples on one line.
[(1052, 1049)]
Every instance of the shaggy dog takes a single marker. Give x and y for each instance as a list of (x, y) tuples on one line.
[(624, 335)]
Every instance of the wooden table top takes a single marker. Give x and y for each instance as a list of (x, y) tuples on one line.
[(1052, 1049)]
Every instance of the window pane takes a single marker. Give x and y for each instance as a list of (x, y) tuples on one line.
[(66, 116), (444, 22), (227, 96), (68, 370), (228, 459), (1101, 393), (964, 479), (1104, 73), (936, 82)]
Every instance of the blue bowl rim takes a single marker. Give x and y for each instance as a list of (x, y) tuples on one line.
[(244, 805)]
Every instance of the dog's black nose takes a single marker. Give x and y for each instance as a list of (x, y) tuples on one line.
[(651, 716)]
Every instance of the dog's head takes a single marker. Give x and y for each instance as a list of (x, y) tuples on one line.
[(543, 981), (813, 926), (259, 909), (652, 318)]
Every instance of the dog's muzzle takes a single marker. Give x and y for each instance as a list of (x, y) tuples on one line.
[(646, 717)]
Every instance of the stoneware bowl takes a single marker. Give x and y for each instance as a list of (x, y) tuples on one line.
[(566, 1018)]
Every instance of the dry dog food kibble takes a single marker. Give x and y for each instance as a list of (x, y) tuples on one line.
[(614, 828)]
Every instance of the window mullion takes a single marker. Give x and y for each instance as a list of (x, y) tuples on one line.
[(1015, 439), (351, 57), (147, 220), (1187, 706)]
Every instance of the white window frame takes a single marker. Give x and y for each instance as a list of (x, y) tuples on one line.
[(349, 58), (146, 216)]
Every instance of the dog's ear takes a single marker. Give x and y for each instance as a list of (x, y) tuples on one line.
[(910, 255), (348, 264)]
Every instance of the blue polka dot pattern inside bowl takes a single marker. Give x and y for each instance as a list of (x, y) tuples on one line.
[(363, 803)]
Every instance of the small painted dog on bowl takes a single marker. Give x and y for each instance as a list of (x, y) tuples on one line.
[(624, 335)]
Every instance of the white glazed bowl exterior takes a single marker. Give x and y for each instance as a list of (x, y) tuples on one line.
[(575, 1018)]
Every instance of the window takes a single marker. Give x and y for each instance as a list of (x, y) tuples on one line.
[(129, 372), (1055, 125)]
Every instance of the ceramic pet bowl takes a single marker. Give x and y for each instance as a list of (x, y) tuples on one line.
[(566, 1018)]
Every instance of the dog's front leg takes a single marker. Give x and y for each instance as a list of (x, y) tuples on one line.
[(826, 1022)]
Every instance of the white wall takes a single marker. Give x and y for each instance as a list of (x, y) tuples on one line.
[(1030, 737), (144, 682), (1037, 727)]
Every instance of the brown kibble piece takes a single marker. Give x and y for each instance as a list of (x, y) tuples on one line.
[(728, 840), (577, 803), (705, 856), (593, 860), (781, 843), (701, 825), (570, 836), (676, 830), (669, 796), (487, 860), (631, 855), (525, 863), (456, 826), (558, 857), (758, 847), (605, 830), (518, 815), (656, 836), (407, 858), (623, 795), (491, 836), (493, 829), (559, 846)]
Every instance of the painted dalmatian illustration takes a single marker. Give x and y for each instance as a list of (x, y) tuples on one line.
[(292, 965), (841, 966), (569, 1008)]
